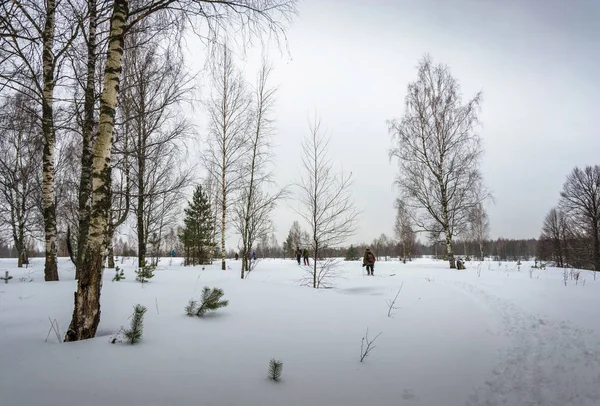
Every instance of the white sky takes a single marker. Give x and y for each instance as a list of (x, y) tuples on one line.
[(537, 63)]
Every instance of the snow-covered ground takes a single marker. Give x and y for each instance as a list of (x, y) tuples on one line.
[(503, 338)]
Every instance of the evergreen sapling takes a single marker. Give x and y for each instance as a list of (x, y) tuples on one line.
[(275, 368), (210, 301), (119, 275), (6, 277), (190, 309), (134, 334), (145, 272)]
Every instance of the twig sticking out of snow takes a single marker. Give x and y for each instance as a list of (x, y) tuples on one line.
[(391, 303), (364, 351), (53, 327)]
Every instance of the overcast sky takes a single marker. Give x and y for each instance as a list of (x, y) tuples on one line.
[(536, 62)]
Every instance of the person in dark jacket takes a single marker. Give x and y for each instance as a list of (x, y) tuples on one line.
[(305, 256), (369, 261), (298, 254)]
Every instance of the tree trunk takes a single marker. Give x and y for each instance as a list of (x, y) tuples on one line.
[(140, 206), (85, 182), (223, 217), (449, 251), (86, 314), (596, 239), (481, 250), (48, 201), (110, 254)]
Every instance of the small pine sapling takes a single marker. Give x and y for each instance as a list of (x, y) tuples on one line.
[(119, 275), (145, 272), (211, 301), (275, 368), (6, 277), (134, 334), (191, 307)]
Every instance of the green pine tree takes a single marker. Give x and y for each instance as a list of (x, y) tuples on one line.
[(352, 254), (119, 275), (197, 234), (6, 277), (134, 334), (210, 301), (145, 272), (275, 368)]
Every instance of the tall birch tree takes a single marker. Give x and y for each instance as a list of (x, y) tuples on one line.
[(228, 108), (438, 153)]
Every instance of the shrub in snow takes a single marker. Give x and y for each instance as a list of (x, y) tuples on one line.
[(134, 334), (275, 368), (119, 275), (6, 277), (145, 272), (210, 301), (392, 303), (366, 345)]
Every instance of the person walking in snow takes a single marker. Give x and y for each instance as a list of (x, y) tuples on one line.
[(369, 261), (298, 254), (305, 255), (253, 256)]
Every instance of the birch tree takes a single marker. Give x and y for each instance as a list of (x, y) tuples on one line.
[(403, 228), (155, 84), (228, 108), (438, 153), (247, 16), (20, 154), (479, 226), (256, 204), (34, 36), (326, 201)]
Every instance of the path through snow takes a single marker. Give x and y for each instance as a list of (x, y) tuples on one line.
[(547, 363)]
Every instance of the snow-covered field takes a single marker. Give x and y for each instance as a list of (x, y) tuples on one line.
[(455, 338)]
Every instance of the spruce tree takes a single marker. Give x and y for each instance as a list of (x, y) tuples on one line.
[(352, 254), (196, 236)]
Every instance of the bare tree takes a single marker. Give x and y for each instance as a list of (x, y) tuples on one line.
[(34, 36), (580, 198), (403, 229), (555, 231), (326, 200), (255, 207), (479, 226), (20, 154), (248, 16), (228, 109), (438, 153), (155, 83)]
